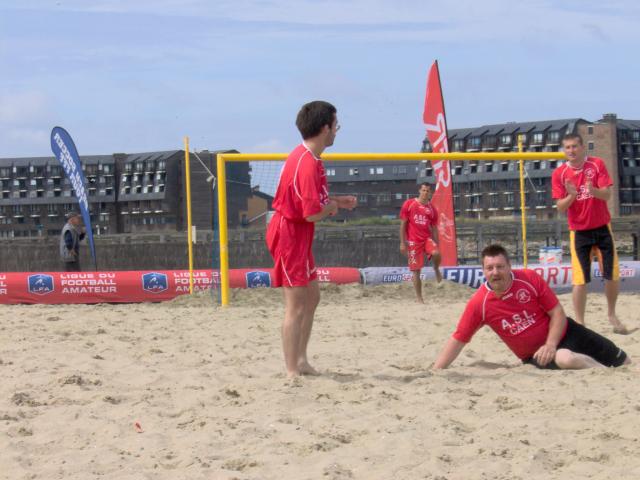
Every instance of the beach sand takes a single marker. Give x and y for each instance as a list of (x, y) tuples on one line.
[(188, 390)]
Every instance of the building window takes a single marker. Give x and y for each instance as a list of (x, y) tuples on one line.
[(538, 138), (522, 137), (505, 139), (590, 130), (458, 145), (590, 145), (353, 171), (474, 142), (384, 198), (508, 199), (331, 172), (553, 137), (363, 198)]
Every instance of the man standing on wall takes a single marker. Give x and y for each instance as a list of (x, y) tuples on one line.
[(582, 187), (302, 198), (419, 236), (70, 237)]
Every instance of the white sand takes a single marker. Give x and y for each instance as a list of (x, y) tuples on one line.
[(207, 386)]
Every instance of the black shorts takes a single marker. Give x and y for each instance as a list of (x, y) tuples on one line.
[(579, 339), (585, 244)]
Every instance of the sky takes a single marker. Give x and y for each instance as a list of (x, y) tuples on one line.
[(138, 75)]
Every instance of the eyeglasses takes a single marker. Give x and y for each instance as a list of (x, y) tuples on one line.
[(337, 127)]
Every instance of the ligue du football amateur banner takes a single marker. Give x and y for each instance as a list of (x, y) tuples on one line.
[(65, 151)]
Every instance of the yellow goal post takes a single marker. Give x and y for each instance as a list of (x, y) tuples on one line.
[(223, 158)]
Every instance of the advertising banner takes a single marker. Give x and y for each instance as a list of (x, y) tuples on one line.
[(559, 277), (435, 120), (65, 151), (135, 286)]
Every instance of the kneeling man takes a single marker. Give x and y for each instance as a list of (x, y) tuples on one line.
[(525, 313)]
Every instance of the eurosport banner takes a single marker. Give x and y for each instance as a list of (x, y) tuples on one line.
[(558, 277), (435, 120), (65, 151), (136, 286)]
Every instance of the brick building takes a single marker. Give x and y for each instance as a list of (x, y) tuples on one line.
[(127, 193)]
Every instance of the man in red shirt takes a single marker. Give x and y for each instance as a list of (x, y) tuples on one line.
[(525, 313), (582, 187), (418, 228), (302, 198)]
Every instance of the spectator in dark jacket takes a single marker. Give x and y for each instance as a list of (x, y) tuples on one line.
[(72, 234)]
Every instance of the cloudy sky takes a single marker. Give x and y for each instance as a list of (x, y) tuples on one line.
[(138, 75)]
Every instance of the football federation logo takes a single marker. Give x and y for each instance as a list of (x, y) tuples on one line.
[(523, 296), (154, 282), (589, 173), (258, 279), (40, 284)]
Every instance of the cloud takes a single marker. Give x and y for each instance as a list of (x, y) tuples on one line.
[(22, 108), (434, 20)]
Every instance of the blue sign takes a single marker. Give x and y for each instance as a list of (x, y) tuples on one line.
[(65, 151), (258, 279), (40, 284), (154, 282)]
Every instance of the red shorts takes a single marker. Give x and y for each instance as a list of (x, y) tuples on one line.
[(290, 246), (416, 251)]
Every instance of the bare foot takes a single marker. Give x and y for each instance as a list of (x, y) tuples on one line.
[(305, 369), (419, 300), (438, 276), (618, 326)]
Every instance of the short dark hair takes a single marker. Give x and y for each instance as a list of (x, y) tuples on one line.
[(573, 136), (494, 250), (426, 184), (313, 116)]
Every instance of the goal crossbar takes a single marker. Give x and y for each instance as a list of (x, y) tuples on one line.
[(222, 158)]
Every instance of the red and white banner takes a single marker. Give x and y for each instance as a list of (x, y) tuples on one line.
[(436, 123), (136, 286)]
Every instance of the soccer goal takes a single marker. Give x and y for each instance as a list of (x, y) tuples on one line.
[(278, 158)]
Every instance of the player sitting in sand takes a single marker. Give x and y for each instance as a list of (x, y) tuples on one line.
[(525, 313)]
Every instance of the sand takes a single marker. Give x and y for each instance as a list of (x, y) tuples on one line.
[(188, 390)]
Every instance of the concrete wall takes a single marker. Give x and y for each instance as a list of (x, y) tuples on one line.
[(334, 246)]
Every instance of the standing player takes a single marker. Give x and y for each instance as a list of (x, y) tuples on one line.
[(302, 198), (581, 187), (419, 235)]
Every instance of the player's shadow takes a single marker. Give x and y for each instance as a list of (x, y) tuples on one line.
[(342, 377), (489, 365), (629, 331), (403, 378)]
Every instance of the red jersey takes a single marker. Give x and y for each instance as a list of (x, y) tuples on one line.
[(302, 189), (586, 212), (419, 219), (519, 317)]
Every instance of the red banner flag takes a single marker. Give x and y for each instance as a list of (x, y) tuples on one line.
[(436, 123)]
